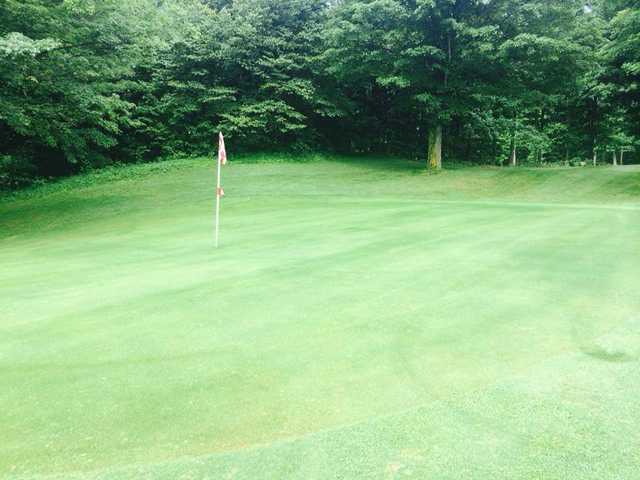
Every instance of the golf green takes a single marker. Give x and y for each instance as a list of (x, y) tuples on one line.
[(361, 319)]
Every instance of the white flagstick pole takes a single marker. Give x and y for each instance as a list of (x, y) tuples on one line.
[(218, 201)]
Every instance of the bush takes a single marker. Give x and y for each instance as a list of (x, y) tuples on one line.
[(15, 172)]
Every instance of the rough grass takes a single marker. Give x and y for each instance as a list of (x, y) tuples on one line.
[(362, 319)]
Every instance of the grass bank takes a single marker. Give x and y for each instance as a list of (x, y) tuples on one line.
[(362, 319)]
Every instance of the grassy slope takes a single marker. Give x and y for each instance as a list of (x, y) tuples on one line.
[(361, 320)]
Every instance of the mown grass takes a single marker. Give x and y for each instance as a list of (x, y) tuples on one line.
[(362, 319)]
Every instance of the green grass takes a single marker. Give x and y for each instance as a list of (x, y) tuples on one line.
[(360, 320)]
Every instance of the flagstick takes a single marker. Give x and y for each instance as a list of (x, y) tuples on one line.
[(218, 203)]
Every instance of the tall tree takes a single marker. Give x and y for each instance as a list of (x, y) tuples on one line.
[(87, 82), (622, 74), (64, 67)]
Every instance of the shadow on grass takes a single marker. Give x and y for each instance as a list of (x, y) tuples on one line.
[(608, 356)]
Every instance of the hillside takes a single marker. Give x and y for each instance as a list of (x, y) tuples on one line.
[(171, 184), (361, 319)]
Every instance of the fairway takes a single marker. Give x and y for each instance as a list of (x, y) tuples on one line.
[(360, 320)]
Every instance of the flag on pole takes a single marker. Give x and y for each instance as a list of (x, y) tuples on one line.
[(222, 152), (222, 160)]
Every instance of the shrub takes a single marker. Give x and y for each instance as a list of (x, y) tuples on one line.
[(15, 172)]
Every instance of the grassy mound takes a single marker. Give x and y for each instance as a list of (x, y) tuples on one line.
[(362, 319)]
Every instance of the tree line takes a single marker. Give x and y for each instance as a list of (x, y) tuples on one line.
[(87, 83)]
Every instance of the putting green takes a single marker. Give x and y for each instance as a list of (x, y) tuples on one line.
[(360, 320)]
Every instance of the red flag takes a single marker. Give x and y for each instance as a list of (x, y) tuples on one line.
[(222, 152), (222, 160)]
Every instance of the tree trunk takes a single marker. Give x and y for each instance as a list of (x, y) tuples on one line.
[(615, 158), (513, 157), (435, 148), (449, 56), (621, 156), (595, 157)]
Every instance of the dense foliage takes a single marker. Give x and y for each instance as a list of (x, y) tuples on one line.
[(85, 83)]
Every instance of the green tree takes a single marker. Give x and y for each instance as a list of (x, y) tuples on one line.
[(246, 70), (86, 82), (64, 70)]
